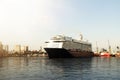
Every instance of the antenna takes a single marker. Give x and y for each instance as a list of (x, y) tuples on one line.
[(81, 37)]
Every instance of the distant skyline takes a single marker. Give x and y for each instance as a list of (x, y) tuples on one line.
[(32, 22)]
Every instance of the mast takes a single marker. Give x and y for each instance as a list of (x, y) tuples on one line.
[(96, 47), (109, 47)]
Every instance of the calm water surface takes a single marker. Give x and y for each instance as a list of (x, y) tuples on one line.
[(37, 68)]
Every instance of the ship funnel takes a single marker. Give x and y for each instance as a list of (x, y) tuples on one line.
[(81, 37)]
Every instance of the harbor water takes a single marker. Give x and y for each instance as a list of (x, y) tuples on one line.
[(43, 68)]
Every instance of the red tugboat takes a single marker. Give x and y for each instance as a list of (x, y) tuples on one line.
[(105, 54)]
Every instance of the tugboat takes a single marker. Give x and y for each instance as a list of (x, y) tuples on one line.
[(105, 54), (61, 46)]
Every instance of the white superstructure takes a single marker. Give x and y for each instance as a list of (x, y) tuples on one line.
[(68, 43)]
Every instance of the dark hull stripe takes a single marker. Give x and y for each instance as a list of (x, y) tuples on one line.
[(63, 53)]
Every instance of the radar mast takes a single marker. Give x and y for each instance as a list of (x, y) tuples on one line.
[(81, 37)]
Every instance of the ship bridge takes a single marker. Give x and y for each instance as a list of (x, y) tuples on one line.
[(61, 38)]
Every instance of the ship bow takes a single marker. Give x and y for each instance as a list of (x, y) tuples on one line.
[(58, 53)]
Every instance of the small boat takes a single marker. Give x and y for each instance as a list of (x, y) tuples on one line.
[(117, 54), (105, 54), (96, 54)]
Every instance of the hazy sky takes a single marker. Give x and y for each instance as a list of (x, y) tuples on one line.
[(32, 22)]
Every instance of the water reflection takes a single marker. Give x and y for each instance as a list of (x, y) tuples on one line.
[(37, 68), (69, 68), (106, 68)]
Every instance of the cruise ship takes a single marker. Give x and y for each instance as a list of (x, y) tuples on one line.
[(61, 46)]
